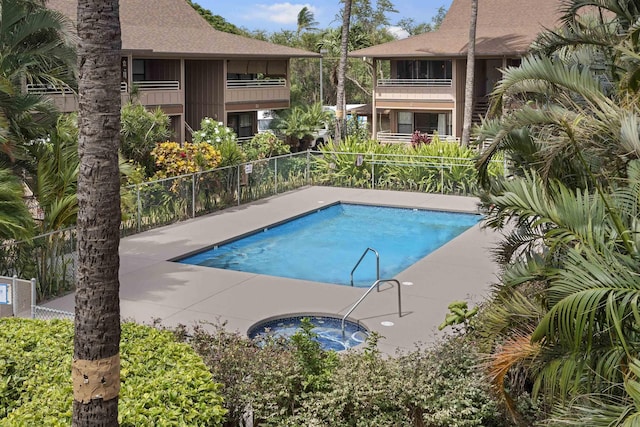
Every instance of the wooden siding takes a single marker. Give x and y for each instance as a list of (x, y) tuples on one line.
[(160, 97), (256, 95), (204, 91)]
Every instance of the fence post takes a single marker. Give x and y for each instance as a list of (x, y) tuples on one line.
[(33, 298), (238, 184), (139, 208), (193, 196), (14, 295), (373, 172), (275, 175), (306, 172), (441, 175)]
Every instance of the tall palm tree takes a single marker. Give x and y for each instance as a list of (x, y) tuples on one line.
[(97, 312), (342, 71), (306, 21), (470, 77)]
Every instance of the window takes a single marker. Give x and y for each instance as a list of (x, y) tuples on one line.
[(416, 69), (139, 70), (405, 122), (242, 124)]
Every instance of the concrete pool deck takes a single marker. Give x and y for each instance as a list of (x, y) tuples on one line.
[(151, 287)]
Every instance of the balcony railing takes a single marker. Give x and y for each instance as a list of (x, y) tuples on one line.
[(47, 89), (415, 82), (388, 137), (156, 84), (235, 84)]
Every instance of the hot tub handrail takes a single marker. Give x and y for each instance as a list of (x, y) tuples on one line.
[(360, 260), (376, 283)]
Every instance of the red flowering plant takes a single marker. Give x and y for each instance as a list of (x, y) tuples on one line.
[(419, 138)]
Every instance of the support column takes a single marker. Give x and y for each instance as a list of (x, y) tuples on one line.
[(374, 112)]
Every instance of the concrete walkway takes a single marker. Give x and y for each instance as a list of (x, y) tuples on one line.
[(154, 288)]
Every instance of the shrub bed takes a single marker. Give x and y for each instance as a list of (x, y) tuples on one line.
[(298, 384), (163, 382)]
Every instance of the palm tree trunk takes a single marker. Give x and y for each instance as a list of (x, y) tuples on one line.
[(96, 364), (470, 77), (342, 71)]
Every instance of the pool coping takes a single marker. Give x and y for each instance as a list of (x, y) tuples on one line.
[(152, 287)]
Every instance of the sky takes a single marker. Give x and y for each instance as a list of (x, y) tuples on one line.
[(276, 16)]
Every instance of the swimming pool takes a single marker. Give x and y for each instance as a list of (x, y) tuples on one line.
[(325, 245)]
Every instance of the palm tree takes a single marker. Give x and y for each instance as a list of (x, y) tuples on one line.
[(583, 291), (15, 220), (306, 21), (470, 77), (57, 175), (97, 312), (569, 293), (35, 48), (342, 71)]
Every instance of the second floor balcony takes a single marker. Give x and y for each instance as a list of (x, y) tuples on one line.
[(415, 89), (157, 92), (256, 90)]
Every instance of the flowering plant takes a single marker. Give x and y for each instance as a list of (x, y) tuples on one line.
[(419, 138), (173, 159), (213, 132)]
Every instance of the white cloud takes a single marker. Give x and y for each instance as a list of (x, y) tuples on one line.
[(280, 13), (398, 32)]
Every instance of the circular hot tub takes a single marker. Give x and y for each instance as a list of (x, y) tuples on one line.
[(328, 329)]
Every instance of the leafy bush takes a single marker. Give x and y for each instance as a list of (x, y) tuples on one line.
[(162, 382), (436, 167), (296, 383), (172, 159), (265, 144), (213, 132), (141, 131)]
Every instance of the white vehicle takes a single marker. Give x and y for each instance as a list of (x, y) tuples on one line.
[(320, 137)]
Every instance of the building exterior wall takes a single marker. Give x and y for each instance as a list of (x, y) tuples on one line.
[(204, 91)]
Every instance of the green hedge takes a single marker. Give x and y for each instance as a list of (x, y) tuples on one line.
[(164, 383)]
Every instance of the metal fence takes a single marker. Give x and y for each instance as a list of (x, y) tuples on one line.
[(20, 300), (51, 258)]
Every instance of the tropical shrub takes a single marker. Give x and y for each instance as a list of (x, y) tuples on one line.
[(162, 382), (437, 167), (15, 218), (173, 159), (213, 132), (296, 383), (141, 130), (299, 123), (265, 144)]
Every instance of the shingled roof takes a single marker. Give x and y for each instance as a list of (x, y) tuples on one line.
[(504, 27), (173, 27)]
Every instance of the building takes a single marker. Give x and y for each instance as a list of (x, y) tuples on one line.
[(425, 90), (173, 59)]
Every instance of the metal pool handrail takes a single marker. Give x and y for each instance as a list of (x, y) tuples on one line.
[(360, 260), (376, 283)]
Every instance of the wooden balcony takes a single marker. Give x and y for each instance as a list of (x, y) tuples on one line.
[(262, 93), (148, 92), (415, 90)]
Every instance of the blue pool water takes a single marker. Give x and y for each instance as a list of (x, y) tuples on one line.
[(325, 245), (328, 330)]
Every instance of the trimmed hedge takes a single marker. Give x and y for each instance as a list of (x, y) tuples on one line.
[(163, 383)]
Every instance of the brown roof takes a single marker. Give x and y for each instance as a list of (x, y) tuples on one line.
[(173, 27), (504, 27)]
